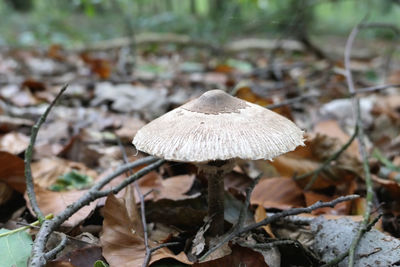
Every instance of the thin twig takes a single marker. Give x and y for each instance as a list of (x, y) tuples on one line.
[(373, 89), (281, 242), (28, 158), (48, 226), (142, 210), (163, 245), (362, 147), (243, 211), (52, 253), (342, 256), (325, 164), (234, 232), (293, 100)]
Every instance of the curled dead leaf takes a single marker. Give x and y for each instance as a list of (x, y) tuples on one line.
[(120, 239)]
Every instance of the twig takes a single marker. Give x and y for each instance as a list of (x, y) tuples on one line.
[(362, 148), (52, 253), (142, 210), (325, 164), (373, 89), (300, 98), (27, 226), (293, 100), (234, 232), (281, 242), (243, 211), (28, 158), (163, 245), (342, 256), (48, 226)]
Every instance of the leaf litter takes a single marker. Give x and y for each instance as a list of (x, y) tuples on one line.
[(79, 141)]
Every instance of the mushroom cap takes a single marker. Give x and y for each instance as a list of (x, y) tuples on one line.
[(218, 126)]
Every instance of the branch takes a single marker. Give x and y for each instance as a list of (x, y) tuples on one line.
[(325, 164), (52, 253), (281, 242), (37, 258), (28, 158), (342, 256), (236, 231), (362, 146)]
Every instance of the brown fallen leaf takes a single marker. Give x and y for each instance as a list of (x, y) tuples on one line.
[(260, 215), (6, 193), (343, 208), (280, 193), (308, 158), (84, 257), (122, 244), (46, 171), (12, 171), (174, 188), (332, 129), (56, 202)]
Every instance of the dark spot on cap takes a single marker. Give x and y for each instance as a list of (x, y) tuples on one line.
[(215, 102)]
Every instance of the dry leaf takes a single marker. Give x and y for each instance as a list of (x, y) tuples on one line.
[(122, 245), (240, 257), (56, 202), (332, 129), (174, 188), (84, 257), (247, 94), (46, 171), (342, 208), (280, 193), (12, 171), (308, 158), (6, 193), (14, 142), (260, 215)]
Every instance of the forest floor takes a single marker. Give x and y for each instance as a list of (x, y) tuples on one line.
[(115, 88)]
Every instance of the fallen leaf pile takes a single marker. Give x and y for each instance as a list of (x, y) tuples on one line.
[(90, 129)]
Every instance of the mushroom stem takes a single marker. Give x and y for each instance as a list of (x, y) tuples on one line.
[(216, 203), (215, 170)]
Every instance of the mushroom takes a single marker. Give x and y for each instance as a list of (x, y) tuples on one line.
[(214, 130)]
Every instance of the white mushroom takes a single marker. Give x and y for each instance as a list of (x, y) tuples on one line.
[(211, 132)]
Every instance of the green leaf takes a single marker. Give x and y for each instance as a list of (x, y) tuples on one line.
[(71, 180), (15, 249), (100, 263)]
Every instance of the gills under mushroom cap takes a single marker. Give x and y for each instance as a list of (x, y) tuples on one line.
[(217, 126)]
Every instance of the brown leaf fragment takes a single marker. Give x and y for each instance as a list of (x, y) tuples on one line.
[(12, 171), (46, 171), (260, 215), (56, 202), (120, 239), (174, 188), (279, 193), (84, 257)]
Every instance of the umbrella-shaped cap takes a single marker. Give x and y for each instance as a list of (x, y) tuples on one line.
[(218, 126)]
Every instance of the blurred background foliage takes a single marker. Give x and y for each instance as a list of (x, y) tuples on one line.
[(77, 22)]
